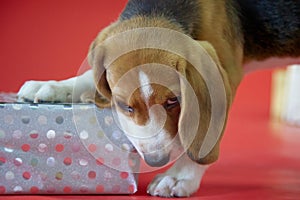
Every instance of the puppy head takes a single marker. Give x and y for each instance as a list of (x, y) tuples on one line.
[(151, 114), (148, 107)]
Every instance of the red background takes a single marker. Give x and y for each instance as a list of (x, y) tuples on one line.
[(49, 39)]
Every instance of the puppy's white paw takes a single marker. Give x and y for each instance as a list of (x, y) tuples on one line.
[(181, 180), (171, 186), (45, 91)]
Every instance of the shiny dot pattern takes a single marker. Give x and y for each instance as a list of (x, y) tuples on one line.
[(61, 149)]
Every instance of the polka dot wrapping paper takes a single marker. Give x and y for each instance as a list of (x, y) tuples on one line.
[(64, 149)]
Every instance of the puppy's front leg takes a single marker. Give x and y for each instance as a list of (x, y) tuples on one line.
[(181, 180), (67, 91)]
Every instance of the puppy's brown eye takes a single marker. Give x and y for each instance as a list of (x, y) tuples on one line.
[(125, 107), (171, 103), (129, 109)]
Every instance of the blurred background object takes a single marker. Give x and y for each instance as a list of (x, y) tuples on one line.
[(285, 104)]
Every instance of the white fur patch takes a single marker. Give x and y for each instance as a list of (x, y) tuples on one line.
[(146, 88), (149, 138), (62, 91)]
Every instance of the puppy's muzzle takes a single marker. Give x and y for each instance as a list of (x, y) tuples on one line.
[(156, 160)]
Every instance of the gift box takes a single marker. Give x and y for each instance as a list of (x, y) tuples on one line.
[(63, 149)]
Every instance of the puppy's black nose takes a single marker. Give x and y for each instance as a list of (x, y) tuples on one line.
[(156, 160)]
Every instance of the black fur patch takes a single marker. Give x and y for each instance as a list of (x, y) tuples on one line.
[(183, 12), (270, 27)]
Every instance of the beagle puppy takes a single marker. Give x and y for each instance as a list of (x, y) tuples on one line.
[(153, 115)]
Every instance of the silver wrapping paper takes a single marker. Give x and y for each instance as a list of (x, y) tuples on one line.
[(64, 149)]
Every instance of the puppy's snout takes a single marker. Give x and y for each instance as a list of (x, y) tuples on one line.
[(156, 160)]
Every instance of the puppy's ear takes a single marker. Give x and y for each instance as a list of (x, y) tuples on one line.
[(96, 56), (195, 97), (102, 97)]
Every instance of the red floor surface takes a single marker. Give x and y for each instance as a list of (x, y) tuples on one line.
[(259, 159)]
